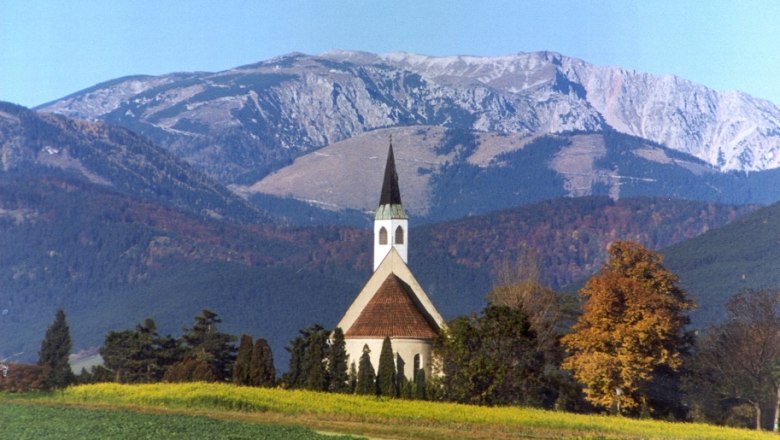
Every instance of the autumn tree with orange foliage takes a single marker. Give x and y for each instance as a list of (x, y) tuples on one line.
[(633, 325)]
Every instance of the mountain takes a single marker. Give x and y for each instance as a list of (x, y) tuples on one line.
[(449, 173), (100, 222), (37, 144), (240, 124), (723, 261)]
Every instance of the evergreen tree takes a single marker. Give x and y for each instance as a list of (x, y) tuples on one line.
[(315, 359), (139, 356), (117, 352), (353, 377), (294, 377), (420, 385), (366, 382), (242, 367), (55, 349), (207, 343), (385, 379), (308, 353), (337, 363), (262, 370)]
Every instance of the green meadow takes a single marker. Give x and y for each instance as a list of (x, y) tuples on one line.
[(227, 411)]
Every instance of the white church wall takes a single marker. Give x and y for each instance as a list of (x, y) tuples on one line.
[(404, 347)]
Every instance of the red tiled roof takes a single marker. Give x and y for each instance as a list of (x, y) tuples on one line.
[(394, 312)]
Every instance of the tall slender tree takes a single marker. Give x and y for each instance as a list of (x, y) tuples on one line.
[(386, 378), (337, 363), (262, 370), (55, 350), (242, 368), (366, 381), (632, 326)]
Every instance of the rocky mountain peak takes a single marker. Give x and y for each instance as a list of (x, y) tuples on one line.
[(240, 124)]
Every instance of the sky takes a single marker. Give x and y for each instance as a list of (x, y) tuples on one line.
[(49, 49)]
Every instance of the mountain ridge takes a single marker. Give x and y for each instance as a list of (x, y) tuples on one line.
[(240, 124)]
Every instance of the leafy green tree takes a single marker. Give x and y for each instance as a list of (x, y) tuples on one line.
[(190, 370), (55, 350), (366, 380), (632, 326), (242, 368), (492, 359), (337, 363), (262, 370), (206, 343), (386, 376)]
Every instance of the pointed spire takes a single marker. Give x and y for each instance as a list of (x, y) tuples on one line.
[(391, 193)]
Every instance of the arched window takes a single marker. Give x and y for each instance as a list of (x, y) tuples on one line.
[(417, 364), (399, 235), (383, 235)]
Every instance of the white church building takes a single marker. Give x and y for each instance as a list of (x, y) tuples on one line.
[(392, 303)]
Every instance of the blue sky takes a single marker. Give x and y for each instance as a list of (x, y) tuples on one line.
[(49, 49)]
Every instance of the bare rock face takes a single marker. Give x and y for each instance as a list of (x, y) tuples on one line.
[(241, 124)]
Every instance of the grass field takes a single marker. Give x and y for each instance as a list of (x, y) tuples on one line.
[(41, 422), (373, 417)]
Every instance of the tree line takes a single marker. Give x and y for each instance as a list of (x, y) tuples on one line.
[(625, 347)]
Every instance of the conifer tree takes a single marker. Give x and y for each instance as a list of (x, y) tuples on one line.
[(55, 349), (208, 344), (315, 359), (353, 377), (420, 392), (337, 363), (262, 370), (386, 377), (242, 367), (366, 382)]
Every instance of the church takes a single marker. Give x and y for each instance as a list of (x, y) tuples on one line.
[(392, 303)]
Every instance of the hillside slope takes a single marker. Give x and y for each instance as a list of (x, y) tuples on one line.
[(721, 262), (449, 173)]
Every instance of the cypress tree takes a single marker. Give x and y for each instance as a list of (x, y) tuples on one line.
[(337, 363), (316, 355), (366, 382), (242, 368), (353, 377), (294, 377), (55, 349), (385, 381), (262, 370), (420, 392)]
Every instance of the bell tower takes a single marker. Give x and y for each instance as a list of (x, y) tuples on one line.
[(391, 226)]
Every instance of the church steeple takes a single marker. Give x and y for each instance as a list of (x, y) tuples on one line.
[(390, 222), (391, 194)]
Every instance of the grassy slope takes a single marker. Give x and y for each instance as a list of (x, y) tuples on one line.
[(377, 417)]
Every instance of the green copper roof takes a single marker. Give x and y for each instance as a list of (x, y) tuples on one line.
[(389, 212)]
